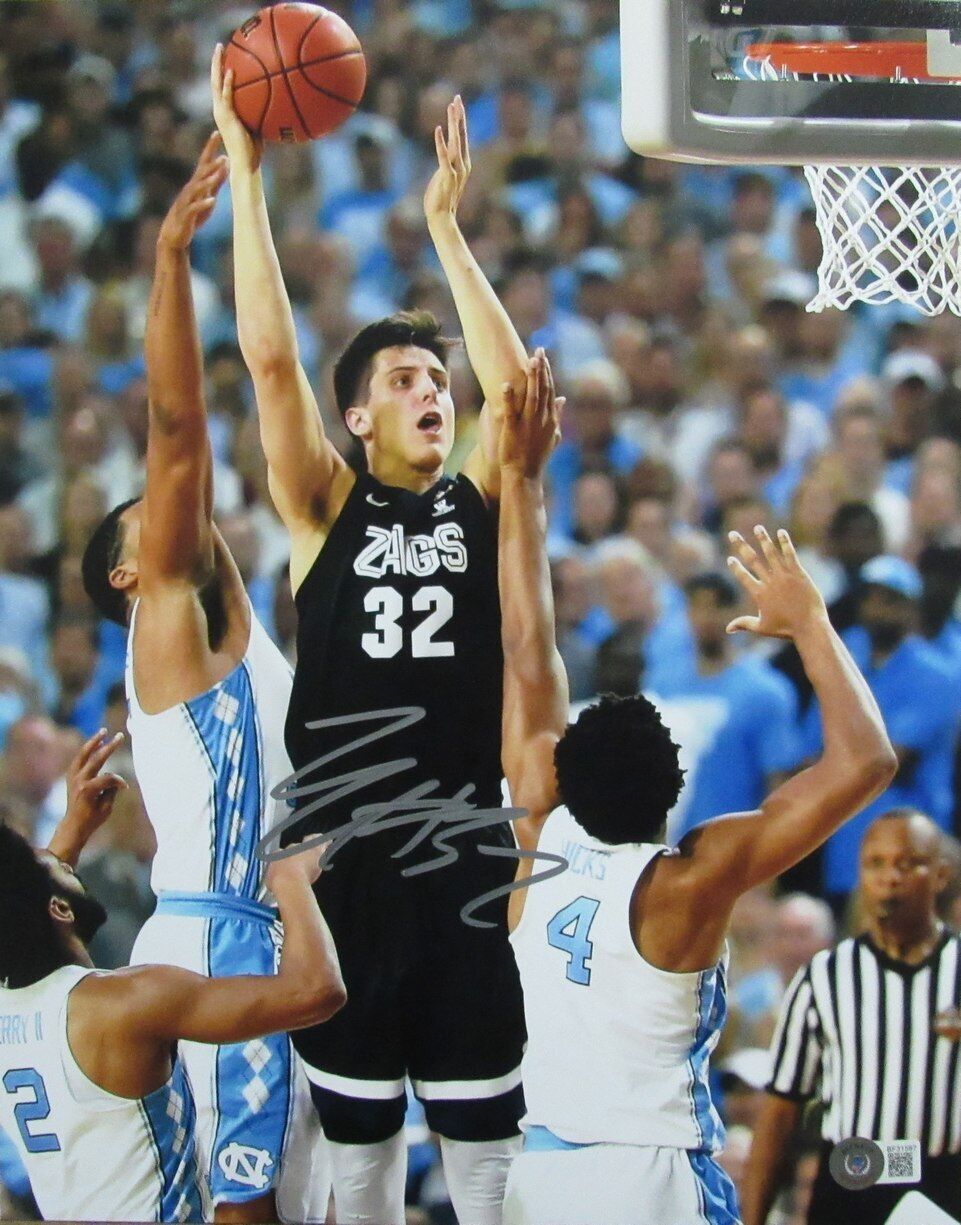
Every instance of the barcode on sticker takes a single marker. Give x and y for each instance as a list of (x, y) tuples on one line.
[(902, 1162)]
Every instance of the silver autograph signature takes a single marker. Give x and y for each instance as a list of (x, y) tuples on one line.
[(439, 819)]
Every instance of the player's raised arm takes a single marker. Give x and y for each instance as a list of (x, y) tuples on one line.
[(166, 1003), (303, 467), (90, 797), (733, 854), (176, 541), (535, 681), (495, 350)]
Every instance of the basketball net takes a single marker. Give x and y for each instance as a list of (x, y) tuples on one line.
[(889, 233)]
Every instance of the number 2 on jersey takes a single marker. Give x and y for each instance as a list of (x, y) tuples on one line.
[(31, 1110), (387, 605), (569, 930)]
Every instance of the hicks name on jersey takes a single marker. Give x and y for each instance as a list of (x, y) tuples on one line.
[(392, 551), (585, 861)]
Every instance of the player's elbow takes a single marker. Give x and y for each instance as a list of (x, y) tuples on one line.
[(862, 774), (318, 1001), (878, 767), (272, 362)]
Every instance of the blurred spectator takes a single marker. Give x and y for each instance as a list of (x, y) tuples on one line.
[(764, 423), (730, 477), (74, 645), (803, 925), (100, 172), (360, 213), (32, 769), (733, 717), (749, 362), (63, 293), (935, 510), (859, 448), (913, 381), (939, 622), (593, 438), (18, 466), (24, 603), (597, 506), (919, 694)]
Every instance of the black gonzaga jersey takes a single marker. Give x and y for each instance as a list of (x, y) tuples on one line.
[(400, 610)]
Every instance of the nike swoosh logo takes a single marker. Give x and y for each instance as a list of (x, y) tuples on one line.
[(373, 501)]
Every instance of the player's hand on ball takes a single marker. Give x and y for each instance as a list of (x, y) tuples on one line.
[(530, 427), (771, 575), (90, 794), (197, 198), (243, 149), (445, 189)]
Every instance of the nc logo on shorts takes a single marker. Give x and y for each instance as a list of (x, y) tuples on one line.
[(245, 1165)]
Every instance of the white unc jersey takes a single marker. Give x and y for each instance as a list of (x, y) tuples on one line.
[(617, 1049), (206, 769), (91, 1156)]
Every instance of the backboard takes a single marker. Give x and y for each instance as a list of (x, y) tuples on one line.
[(698, 86)]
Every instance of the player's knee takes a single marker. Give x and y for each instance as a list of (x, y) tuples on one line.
[(486, 1118), (353, 1120)]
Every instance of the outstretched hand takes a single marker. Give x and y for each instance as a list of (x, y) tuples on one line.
[(195, 201), (530, 428), (304, 865), (90, 794), (771, 575), (445, 189), (244, 150)]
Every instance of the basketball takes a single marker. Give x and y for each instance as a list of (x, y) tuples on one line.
[(299, 71)]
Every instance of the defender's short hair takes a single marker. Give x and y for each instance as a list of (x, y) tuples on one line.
[(617, 770), (353, 369), (99, 558), (29, 948)]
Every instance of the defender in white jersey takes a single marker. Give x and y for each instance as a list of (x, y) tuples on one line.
[(621, 942), (208, 694), (92, 1091)]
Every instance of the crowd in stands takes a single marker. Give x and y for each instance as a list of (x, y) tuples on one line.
[(701, 398)]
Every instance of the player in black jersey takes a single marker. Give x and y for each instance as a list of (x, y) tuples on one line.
[(399, 656)]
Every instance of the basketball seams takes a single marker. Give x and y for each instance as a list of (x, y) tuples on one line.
[(325, 59), (280, 58), (303, 38), (266, 77)]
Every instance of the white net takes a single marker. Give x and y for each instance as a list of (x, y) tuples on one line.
[(890, 233)]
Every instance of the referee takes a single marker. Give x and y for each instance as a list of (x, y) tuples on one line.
[(867, 1031)]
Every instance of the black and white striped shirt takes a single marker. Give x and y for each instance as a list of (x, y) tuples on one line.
[(855, 1031)]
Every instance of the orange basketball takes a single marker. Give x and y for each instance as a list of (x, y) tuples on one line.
[(299, 71)]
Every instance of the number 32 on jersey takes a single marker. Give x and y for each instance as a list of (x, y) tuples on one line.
[(387, 638)]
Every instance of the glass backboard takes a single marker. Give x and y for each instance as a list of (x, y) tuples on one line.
[(860, 82)]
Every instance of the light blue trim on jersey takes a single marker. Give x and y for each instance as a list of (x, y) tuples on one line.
[(717, 1198), (170, 1117), (225, 721), (212, 906), (712, 1011), (543, 1140), (253, 1090)]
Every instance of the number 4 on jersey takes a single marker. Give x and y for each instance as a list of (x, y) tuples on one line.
[(568, 931)]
